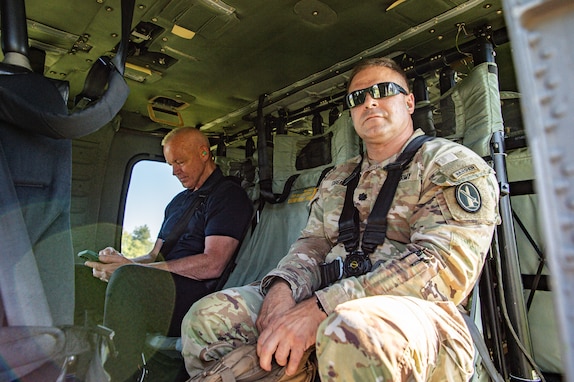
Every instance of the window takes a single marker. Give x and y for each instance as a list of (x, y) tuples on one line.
[(152, 186)]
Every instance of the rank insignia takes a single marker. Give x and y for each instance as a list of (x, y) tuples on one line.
[(468, 197)]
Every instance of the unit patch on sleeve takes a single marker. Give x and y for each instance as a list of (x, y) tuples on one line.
[(468, 197)]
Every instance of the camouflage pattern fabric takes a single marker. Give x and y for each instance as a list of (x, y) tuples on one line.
[(242, 364), (392, 338), (439, 230)]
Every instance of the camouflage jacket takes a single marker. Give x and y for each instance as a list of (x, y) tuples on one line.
[(440, 226)]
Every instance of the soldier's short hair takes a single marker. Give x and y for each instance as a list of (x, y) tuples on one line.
[(385, 62)]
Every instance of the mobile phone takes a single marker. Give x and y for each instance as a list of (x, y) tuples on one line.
[(88, 255)]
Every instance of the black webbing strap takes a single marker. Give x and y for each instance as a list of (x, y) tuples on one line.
[(17, 109), (480, 346), (99, 74), (376, 229), (349, 219), (272, 198), (179, 227)]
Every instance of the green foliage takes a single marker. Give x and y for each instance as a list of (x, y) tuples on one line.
[(136, 243)]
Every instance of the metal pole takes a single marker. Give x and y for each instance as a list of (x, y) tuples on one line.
[(520, 369), (14, 33)]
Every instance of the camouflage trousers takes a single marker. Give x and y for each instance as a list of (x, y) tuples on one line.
[(382, 338)]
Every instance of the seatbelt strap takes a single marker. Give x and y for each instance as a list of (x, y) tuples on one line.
[(349, 219), (119, 59), (270, 197), (482, 350), (376, 229), (99, 73), (19, 275), (16, 109), (179, 228)]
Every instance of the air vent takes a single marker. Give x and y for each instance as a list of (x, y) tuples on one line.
[(166, 110)]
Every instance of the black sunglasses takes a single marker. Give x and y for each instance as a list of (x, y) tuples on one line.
[(381, 90)]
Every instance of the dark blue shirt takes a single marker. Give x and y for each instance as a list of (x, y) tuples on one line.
[(226, 211)]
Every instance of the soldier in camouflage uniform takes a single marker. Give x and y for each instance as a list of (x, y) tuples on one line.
[(398, 322)]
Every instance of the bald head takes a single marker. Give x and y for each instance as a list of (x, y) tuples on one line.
[(187, 133), (187, 150)]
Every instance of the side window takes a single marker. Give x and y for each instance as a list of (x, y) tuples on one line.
[(151, 188)]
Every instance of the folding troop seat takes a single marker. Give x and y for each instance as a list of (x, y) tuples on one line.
[(516, 256)]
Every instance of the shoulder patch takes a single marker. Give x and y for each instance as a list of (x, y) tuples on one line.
[(468, 197)]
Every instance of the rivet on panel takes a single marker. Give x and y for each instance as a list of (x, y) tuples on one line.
[(561, 187), (555, 155), (552, 82), (540, 71), (545, 98), (550, 126), (568, 170), (568, 266), (534, 39), (559, 110), (567, 224), (546, 53)]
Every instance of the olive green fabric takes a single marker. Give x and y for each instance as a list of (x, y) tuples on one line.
[(541, 320), (477, 108), (280, 224), (287, 148)]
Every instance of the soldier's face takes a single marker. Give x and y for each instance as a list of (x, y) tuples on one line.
[(379, 120)]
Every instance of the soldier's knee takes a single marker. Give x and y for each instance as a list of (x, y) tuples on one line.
[(334, 331), (201, 314)]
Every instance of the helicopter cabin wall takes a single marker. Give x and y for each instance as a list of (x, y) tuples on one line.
[(102, 164), (101, 168)]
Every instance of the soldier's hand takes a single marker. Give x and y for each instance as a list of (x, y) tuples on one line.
[(287, 336), (277, 301)]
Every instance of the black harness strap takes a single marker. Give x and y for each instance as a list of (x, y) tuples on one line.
[(376, 229), (270, 197), (179, 227), (349, 219), (99, 74)]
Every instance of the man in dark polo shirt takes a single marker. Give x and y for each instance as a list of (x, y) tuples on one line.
[(152, 293)]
